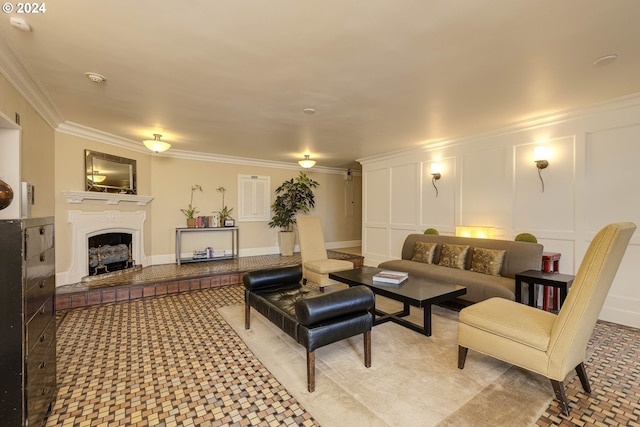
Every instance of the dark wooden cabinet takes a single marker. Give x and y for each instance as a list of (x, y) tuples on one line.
[(27, 321)]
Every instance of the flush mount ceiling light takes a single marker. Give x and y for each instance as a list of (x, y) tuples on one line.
[(95, 77), (606, 59), (309, 111), (306, 162), (156, 145), (20, 24)]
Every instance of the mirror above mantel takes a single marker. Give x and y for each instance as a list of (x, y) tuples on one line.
[(106, 173)]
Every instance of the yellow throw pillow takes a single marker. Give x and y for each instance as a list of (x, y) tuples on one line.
[(453, 256), (423, 252), (487, 261)]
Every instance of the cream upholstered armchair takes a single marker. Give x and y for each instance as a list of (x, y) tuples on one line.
[(316, 266), (542, 342)]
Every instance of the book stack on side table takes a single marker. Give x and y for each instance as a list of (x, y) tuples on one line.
[(389, 277)]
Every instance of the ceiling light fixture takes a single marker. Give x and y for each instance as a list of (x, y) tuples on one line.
[(155, 144), (306, 162), (309, 111), (20, 24), (95, 77)]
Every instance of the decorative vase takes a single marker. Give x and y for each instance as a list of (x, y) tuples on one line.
[(287, 242), (6, 194), (191, 222)]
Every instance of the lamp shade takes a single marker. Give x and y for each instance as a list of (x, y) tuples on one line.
[(436, 168), (539, 153), (306, 162), (155, 144)]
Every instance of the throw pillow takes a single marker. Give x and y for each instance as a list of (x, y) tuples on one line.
[(423, 252), (487, 261), (453, 256)]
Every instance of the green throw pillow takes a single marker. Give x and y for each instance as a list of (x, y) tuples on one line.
[(487, 261), (454, 256)]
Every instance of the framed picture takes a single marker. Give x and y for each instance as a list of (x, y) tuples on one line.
[(229, 222)]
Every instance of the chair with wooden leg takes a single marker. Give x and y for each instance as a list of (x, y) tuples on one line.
[(542, 342)]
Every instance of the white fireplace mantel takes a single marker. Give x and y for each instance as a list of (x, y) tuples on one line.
[(88, 224), (110, 198)]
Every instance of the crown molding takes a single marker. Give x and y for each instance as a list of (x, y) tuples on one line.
[(86, 132), (616, 104), (15, 69)]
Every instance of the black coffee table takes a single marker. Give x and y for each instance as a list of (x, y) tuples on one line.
[(415, 292)]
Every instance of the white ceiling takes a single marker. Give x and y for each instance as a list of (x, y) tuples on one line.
[(232, 77)]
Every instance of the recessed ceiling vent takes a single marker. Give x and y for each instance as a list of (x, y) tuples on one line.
[(95, 77)]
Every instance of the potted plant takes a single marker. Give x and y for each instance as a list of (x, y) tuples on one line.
[(191, 210), (292, 196), (225, 212)]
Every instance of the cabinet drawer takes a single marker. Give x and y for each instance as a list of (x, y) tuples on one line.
[(37, 239), (41, 376), (38, 294), (39, 267), (41, 318)]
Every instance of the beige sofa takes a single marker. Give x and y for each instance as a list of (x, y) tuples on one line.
[(517, 257)]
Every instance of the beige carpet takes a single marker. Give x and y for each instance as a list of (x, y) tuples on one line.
[(413, 380)]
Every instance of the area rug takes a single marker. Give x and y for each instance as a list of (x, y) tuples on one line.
[(413, 380)]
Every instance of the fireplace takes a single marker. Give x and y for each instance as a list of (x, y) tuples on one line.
[(87, 225), (109, 252)]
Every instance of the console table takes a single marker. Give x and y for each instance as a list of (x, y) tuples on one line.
[(234, 243)]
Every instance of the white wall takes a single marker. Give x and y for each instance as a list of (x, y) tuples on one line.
[(492, 180)]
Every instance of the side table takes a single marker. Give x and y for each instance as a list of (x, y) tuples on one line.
[(536, 277)]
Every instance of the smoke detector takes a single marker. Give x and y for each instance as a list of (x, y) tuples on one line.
[(95, 77)]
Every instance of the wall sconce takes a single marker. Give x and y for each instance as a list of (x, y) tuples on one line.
[(155, 144), (436, 174), (306, 162), (475, 231), (540, 157)]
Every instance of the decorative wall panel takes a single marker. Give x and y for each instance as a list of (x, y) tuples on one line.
[(483, 198), (612, 178), (554, 209), (438, 212), (404, 192), (376, 196)]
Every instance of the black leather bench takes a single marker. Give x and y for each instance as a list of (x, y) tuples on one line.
[(312, 318)]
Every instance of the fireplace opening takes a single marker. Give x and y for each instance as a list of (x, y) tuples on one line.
[(109, 252)]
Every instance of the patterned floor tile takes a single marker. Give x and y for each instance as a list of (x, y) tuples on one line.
[(173, 361)]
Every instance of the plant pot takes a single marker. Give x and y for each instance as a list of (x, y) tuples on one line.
[(191, 222), (287, 240)]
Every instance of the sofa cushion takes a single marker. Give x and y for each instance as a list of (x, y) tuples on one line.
[(330, 265), (520, 256), (487, 261), (453, 256), (423, 252)]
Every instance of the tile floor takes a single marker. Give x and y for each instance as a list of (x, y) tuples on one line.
[(171, 360)]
